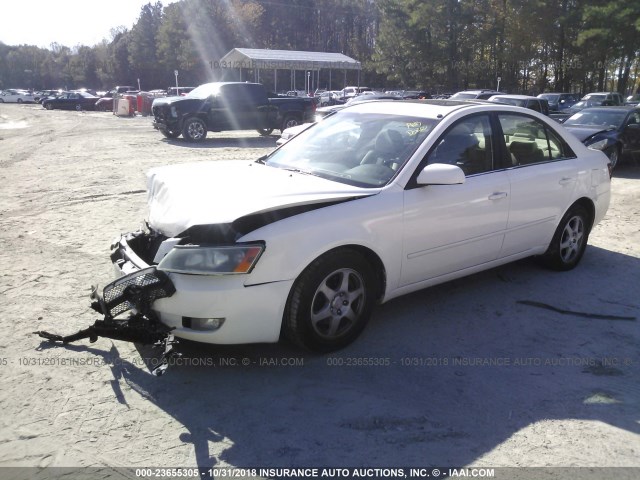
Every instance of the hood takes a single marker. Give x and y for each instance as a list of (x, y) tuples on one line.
[(181, 100), (207, 193), (585, 131)]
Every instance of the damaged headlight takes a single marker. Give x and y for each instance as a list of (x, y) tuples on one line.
[(201, 260)]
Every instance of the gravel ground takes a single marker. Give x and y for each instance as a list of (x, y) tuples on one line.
[(477, 372)]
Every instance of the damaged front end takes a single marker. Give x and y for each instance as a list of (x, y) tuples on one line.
[(133, 293)]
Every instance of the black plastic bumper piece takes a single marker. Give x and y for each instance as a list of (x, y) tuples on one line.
[(136, 293)]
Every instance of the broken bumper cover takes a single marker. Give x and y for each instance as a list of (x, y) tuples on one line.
[(220, 309), (133, 293)]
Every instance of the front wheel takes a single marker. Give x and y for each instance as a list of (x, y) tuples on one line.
[(19, 100), (194, 129), (330, 302), (171, 133), (569, 241), (48, 106)]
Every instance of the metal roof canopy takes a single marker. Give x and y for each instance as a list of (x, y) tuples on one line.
[(255, 58)]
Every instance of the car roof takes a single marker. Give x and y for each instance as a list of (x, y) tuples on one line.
[(483, 90), (601, 93), (619, 108), (516, 97), (435, 108)]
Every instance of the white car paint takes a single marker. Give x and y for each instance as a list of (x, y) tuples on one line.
[(421, 235), (16, 96)]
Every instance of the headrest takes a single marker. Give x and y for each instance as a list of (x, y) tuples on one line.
[(389, 141)]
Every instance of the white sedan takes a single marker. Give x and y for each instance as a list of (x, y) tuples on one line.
[(376, 201), (16, 96)]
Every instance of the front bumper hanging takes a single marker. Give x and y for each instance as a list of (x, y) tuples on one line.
[(133, 293)]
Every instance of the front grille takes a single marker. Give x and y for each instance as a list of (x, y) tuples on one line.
[(137, 290), (159, 115)]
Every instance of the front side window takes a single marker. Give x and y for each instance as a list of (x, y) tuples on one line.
[(468, 145), (530, 141)]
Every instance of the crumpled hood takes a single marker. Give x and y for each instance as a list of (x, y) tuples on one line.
[(206, 193), (585, 131)]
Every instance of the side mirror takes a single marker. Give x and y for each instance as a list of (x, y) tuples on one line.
[(441, 174)]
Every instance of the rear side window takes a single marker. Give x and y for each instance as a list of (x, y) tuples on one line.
[(530, 141)]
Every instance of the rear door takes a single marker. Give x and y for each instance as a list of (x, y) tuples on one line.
[(543, 180)]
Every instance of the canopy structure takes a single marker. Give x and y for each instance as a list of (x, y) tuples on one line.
[(263, 59)]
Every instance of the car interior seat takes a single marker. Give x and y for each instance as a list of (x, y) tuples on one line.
[(388, 146)]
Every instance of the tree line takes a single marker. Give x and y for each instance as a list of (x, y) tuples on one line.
[(529, 46)]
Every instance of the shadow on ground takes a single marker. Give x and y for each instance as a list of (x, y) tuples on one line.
[(439, 377)]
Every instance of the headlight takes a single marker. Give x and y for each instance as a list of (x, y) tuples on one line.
[(599, 144), (198, 260)]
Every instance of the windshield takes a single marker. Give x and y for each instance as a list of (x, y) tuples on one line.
[(361, 149), (551, 98), (204, 91), (597, 117)]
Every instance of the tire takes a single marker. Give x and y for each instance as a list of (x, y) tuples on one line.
[(170, 133), (614, 156), (19, 100), (265, 132), (569, 241), (48, 106), (78, 108), (1, 100), (330, 302), (289, 121), (194, 129)]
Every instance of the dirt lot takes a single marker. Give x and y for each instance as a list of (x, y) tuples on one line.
[(464, 374)]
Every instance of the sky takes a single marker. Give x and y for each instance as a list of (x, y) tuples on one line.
[(67, 22)]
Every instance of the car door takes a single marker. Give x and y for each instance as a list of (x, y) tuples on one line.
[(543, 178), (448, 228), (631, 133)]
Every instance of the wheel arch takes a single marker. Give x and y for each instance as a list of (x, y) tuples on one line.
[(371, 257), (589, 206)]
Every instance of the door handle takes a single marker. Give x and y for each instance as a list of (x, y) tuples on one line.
[(497, 195)]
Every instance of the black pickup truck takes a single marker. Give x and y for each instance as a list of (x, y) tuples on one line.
[(220, 106)]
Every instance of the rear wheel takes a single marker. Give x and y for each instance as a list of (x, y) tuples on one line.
[(614, 156), (194, 129), (569, 241), (78, 108), (19, 100), (290, 121), (48, 106), (265, 132), (330, 302)]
